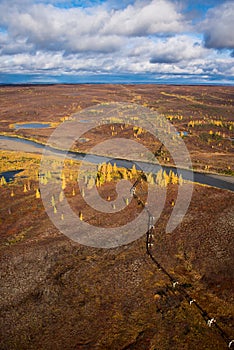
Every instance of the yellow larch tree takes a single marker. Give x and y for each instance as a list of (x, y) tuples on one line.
[(61, 196)]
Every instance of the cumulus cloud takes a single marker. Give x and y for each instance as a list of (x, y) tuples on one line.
[(176, 49), (158, 16), (96, 29), (47, 27), (131, 37), (218, 27)]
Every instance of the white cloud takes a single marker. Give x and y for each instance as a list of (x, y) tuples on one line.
[(119, 62), (47, 27), (218, 27), (147, 36), (157, 16), (176, 49)]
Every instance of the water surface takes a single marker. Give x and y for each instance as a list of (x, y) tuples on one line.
[(215, 180), (32, 126), (10, 175)]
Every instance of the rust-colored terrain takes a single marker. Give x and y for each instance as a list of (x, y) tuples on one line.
[(204, 112), (58, 294)]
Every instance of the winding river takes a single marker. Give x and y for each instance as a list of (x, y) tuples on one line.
[(214, 180)]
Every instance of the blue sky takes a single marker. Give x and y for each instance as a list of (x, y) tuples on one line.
[(161, 41)]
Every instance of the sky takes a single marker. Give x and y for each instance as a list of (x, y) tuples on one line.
[(112, 41)]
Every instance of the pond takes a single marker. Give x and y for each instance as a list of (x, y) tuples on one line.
[(32, 126), (10, 175), (84, 121), (83, 139), (182, 133)]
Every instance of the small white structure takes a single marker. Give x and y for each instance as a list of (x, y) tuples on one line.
[(210, 322), (132, 191), (174, 284)]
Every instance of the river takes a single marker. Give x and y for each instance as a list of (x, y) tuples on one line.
[(215, 180)]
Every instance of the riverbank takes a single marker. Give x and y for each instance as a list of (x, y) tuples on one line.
[(200, 112), (25, 145)]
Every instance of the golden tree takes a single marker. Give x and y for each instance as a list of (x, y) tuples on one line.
[(109, 168), (63, 184), (166, 178), (150, 179), (53, 201), (91, 183), (124, 174), (180, 180), (115, 169), (61, 196), (174, 179), (108, 176), (3, 181), (134, 171), (159, 177)]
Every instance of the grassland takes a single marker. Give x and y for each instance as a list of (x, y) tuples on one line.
[(58, 294)]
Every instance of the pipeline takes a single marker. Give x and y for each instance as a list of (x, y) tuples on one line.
[(175, 284)]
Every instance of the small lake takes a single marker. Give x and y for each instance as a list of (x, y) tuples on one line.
[(10, 175), (32, 126), (83, 139), (84, 121), (184, 133)]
